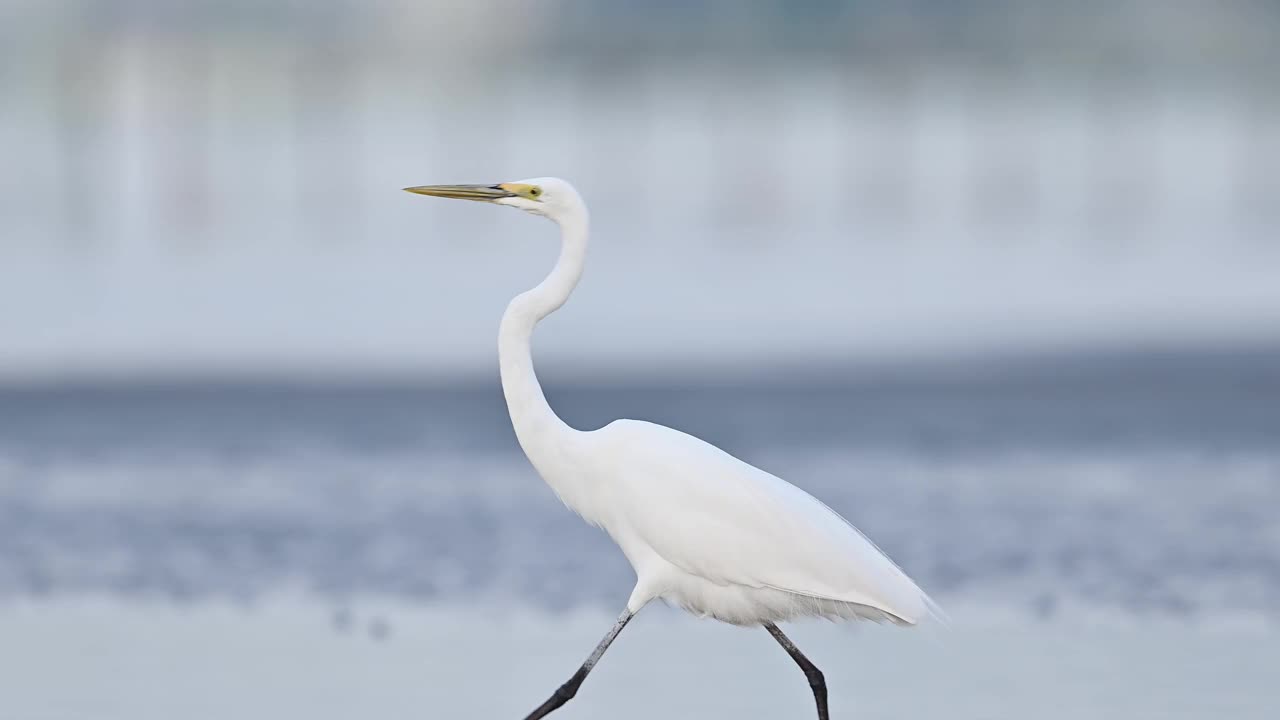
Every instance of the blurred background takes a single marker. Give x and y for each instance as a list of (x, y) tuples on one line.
[(996, 280)]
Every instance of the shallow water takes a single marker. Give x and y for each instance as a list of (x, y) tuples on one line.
[(1103, 532), (289, 659), (1146, 485)]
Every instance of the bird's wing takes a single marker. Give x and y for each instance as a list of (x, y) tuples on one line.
[(719, 518)]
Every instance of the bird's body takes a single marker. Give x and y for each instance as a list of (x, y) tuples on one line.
[(724, 539), (702, 529)]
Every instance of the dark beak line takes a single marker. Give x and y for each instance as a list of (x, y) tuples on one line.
[(462, 192)]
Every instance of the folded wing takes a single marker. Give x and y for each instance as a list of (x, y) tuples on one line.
[(719, 518)]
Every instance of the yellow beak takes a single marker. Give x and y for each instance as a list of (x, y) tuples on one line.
[(486, 193)]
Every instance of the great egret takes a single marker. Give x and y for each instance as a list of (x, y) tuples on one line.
[(702, 529)]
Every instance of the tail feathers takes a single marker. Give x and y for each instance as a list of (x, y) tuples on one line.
[(936, 613)]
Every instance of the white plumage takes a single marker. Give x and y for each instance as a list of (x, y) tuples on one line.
[(727, 540), (702, 529)]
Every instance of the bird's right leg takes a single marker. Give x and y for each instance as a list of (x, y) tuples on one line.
[(811, 671), (566, 691)]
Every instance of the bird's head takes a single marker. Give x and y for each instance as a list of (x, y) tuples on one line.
[(550, 197)]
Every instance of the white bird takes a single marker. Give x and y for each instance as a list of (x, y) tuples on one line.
[(702, 529)]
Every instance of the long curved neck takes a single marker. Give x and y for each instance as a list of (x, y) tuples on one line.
[(540, 431)]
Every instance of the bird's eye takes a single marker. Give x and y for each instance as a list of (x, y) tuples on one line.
[(535, 192)]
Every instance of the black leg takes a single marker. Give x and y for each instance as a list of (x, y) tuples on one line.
[(811, 671), (566, 691)]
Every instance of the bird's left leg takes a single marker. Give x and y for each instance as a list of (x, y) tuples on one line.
[(811, 671), (566, 691)]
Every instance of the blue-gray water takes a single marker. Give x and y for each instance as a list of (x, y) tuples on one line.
[(1144, 483)]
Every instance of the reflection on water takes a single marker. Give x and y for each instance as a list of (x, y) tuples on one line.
[(1140, 484)]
